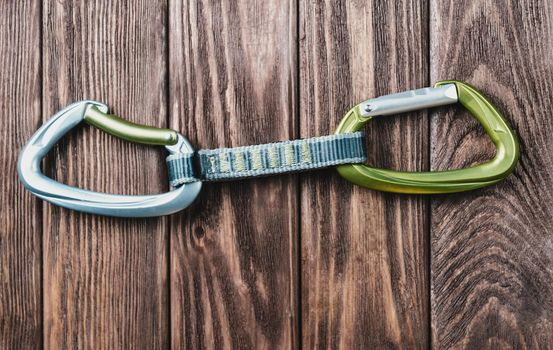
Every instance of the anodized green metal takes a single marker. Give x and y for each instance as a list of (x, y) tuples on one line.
[(491, 172), (126, 130)]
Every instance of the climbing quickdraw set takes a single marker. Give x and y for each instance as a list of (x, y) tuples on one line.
[(345, 149)]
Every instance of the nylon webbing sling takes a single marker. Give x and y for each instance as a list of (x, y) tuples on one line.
[(267, 159)]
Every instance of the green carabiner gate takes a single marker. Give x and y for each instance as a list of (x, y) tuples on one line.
[(443, 93)]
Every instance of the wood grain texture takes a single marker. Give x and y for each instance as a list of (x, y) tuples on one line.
[(364, 267), (20, 215), (306, 261), (233, 259), (492, 256), (105, 279)]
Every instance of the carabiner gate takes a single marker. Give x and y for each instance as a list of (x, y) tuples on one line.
[(95, 113), (443, 93)]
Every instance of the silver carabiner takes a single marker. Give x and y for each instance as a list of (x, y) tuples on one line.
[(95, 113)]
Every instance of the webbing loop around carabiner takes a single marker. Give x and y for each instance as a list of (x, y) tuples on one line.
[(444, 92)]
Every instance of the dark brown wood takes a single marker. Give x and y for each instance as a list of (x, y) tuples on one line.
[(492, 253), (105, 279), (292, 261), (20, 214), (233, 258), (364, 267)]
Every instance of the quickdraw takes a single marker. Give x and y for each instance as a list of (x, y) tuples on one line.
[(345, 150)]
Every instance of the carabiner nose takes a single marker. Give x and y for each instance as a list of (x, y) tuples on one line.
[(95, 113)]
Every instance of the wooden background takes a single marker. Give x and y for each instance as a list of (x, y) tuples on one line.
[(297, 261)]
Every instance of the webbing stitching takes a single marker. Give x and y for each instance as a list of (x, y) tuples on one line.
[(268, 159)]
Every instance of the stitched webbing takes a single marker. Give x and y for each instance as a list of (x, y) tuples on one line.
[(267, 159)]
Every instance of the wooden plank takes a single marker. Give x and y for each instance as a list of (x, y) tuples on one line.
[(20, 215), (105, 279), (492, 256), (363, 254), (233, 265)]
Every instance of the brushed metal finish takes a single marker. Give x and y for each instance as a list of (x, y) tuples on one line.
[(409, 101)]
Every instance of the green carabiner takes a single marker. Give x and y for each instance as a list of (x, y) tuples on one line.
[(443, 93)]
